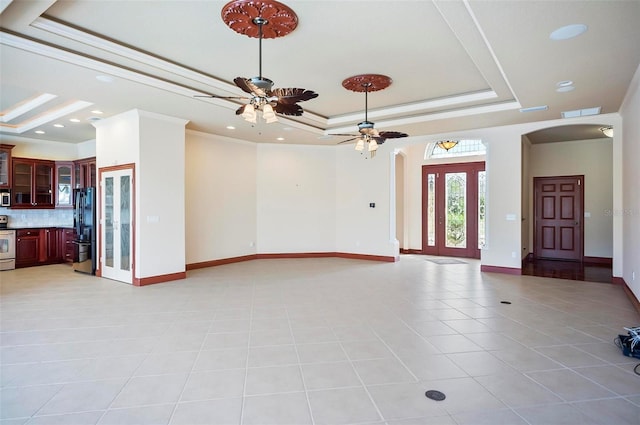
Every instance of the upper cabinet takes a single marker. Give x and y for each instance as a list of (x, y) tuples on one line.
[(5, 165), (32, 183), (65, 182), (85, 172)]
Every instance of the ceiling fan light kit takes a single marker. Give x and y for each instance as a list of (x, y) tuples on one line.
[(263, 19), (368, 136)]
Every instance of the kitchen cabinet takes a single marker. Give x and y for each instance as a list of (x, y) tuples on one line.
[(85, 172), (35, 247), (49, 249), (67, 247), (32, 182), (5, 166), (27, 247), (64, 177)]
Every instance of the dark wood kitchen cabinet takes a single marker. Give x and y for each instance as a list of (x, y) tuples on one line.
[(32, 182), (67, 247), (49, 248), (27, 247), (5, 166), (85, 172), (65, 182)]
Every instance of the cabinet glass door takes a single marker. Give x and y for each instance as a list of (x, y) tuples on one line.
[(22, 175), (4, 168), (117, 215), (64, 186)]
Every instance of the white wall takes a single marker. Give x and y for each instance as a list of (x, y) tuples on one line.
[(160, 247), (630, 212), (220, 197), (527, 216), (155, 144), (53, 151), (296, 204), (360, 181), (594, 160)]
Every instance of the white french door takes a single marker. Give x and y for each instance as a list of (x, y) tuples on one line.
[(116, 206)]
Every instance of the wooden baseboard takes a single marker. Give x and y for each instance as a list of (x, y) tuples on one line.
[(632, 297), (144, 281), (214, 263), (504, 270), (411, 251), (601, 261)]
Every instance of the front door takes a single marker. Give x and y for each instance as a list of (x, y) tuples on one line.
[(558, 205), (453, 212), (116, 207)]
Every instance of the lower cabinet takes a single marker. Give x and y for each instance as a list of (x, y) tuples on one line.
[(35, 247), (27, 247), (67, 247)]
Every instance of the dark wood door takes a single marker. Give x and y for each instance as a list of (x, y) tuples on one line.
[(453, 209), (558, 205)]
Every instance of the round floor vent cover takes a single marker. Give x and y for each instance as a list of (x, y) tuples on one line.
[(435, 395)]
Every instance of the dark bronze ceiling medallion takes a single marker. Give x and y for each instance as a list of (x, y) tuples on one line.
[(367, 82), (245, 17)]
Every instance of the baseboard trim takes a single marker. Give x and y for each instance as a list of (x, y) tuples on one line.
[(144, 281), (632, 297), (214, 263), (221, 262), (411, 251), (604, 261), (498, 269), (328, 255)]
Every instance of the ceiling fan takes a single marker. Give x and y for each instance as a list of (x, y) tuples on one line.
[(244, 17), (368, 135)]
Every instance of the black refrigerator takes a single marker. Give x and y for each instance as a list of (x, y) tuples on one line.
[(84, 223)]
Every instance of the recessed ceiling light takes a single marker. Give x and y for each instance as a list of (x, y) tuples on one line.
[(567, 32), (58, 125), (287, 128), (565, 89), (280, 138), (104, 78), (97, 112), (74, 120), (230, 127), (39, 132), (564, 83), (94, 119)]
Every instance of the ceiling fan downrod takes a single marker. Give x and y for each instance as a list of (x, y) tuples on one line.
[(260, 21)]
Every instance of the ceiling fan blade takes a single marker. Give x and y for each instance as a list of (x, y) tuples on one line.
[(392, 134), (293, 95), (213, 96), (288, 108), (349, 140), (246, 85), (343, 134)]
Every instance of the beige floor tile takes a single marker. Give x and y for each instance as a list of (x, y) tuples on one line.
[(84, 418), (144, 415), (275, 379), (210, 412), (342, 406), (205, 385), (285, 409), (308, 321), (143, 390), (319, 376), (569, 385)]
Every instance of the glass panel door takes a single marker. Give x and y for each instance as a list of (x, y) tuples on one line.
[(453, 209), (117, 213), (456, 210)]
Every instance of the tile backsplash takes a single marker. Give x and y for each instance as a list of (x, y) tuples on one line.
[(39, 218)]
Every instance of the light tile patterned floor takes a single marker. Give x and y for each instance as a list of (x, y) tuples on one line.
[(315, 341)]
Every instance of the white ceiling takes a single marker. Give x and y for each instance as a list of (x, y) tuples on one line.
[(455, 65)]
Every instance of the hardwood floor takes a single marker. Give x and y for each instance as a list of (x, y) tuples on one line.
[(568, 270)]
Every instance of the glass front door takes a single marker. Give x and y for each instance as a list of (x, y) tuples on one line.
[(453, 209)]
